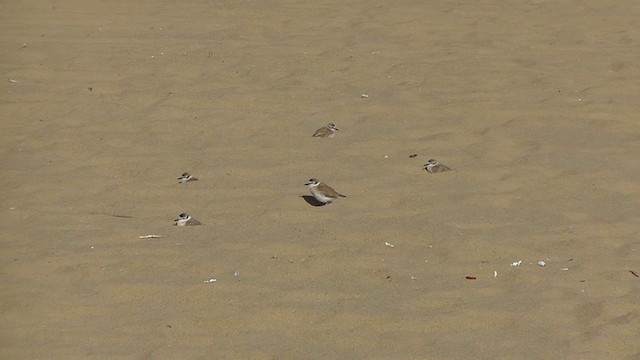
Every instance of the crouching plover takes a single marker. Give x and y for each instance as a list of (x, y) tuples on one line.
[(326, 131), (433, 166), (186, 177), (322, 192), (185, 219)]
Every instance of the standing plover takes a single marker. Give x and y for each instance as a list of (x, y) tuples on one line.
[(433, 166), (186, 177), (322, 192), (185, 219), (326, 131)]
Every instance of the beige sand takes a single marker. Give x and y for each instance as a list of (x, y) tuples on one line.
[(534, 105)]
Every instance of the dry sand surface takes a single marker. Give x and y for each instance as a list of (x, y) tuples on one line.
[(533, 104)]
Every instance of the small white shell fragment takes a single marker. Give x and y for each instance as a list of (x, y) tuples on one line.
[(237, 273), (364, 96), (13, 81), (386, 156), (210, 280), (495, 273), (413, 278), (516, 263), (151, 236), (389, 244), (564, 269), (542, 263)]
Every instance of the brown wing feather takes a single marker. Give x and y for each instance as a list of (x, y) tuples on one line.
[(328, 191), (193, 222), (323, 132)]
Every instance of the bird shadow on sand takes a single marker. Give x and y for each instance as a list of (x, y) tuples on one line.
[(312, 201)]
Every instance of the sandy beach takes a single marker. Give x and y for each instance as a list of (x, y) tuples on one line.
[(532, 104)]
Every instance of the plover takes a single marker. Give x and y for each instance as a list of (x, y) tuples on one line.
[(185, 219), (322, 192), (326, 131), (186, 177), (433, 166)]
